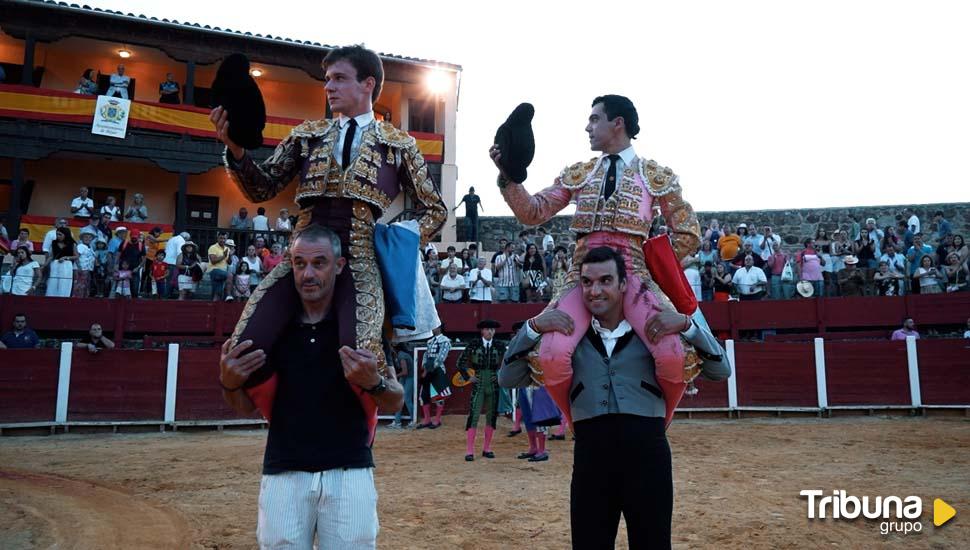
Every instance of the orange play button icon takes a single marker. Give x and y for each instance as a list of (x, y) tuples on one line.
[(942, 512)]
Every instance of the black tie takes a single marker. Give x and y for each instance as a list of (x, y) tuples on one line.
[(610, 177), (348, 141)]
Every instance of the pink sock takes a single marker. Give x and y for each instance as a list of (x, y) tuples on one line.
[(517, 426), (533, 446), (470, 440), (562, 428), (487, 446), (540, 443), (437, 415), (425, 414)]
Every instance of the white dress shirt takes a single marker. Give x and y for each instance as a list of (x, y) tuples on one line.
[(748, 279), (610, 337), (478, 291), (363, 121), (84, 206)]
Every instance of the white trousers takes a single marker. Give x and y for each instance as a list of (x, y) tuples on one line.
[(120, 90), (339, 506)]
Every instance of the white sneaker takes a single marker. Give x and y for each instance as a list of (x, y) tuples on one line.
[(229, 298), (394, 426)]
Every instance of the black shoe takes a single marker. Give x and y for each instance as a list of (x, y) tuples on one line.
[(557, 437), (469, 458), (525, 455), (423, 426), (434, 426), (540, 458), (488, 454), (514, 433)]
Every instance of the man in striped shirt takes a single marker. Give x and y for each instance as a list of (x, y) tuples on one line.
[(506, 275)]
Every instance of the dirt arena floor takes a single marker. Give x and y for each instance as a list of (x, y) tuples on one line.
[(736, 486)]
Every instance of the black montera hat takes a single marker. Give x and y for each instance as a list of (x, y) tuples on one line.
[(236, 91), (488, 323), (516, 142)]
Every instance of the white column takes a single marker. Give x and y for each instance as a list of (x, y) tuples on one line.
[(913, 364), (64, 382), (820, 384), (733, 379), (171, 382)]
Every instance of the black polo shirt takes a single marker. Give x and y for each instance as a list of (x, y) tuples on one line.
[(318, 423)]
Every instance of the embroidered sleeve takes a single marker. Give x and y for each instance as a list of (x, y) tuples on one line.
[(417, 183), (463, 359), (681, 221), (538, 208), (261, 182)]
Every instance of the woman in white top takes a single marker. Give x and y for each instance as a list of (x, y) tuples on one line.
[(26, 273), (137, 212), (111, 209), (283, 222), (255, 266), (928, 276)]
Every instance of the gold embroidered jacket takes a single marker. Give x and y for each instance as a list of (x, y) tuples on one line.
[(643, 186), (387, 162)]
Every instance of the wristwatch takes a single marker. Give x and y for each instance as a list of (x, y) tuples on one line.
[(380, 388)]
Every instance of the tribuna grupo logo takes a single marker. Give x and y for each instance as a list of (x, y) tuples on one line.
[(898, 514)]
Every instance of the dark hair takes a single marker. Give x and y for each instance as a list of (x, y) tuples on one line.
[(558, 248), (366, 62), (316, 232), (157, 254), (260, 211), (450, 247), (523, 233), (939, 213), (902, 223), (808, 240), (617, 105), (87, 74), (156, 231), (602, 254)]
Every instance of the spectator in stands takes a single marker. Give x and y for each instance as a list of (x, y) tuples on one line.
[(960, 248), (707, 253), (747, 252), (242, 280), (153, 245), (405, 375), (914, 254), (707, 281), (943, 227), (283, 221), (21, 336), (944, 248), (534, 274), (823, 247), (111, 209), (137, 212), (524, 240), (852, 281), (480, 283), (168, 90), (472, 204), (766, 243), (173, 247), (134, 252), (722, 283), (85, 267), (875, 234), (547, 240), (91, 227), (895, 260), (272, 259), (104, 228), (123, 277), (501, 249), (88, 84), (909, 329), (241, 221), (855, 227), (713, 233), (743, 233), (559, 269), (23, 239), (750, 280), (119, 83), (692, 271), (260, 222), (904, 235), (507, 280), (260, 243), (810, 264), (449, 260), (160, 275), (218, 255), (889, 237), (51, 235), (956, 273), (728, 245), (928, 277), (61, 264), (887, 281), (432, 274), (775, 270), (452, 285), (189, 265), (232, 265), (82, 206), (841, 247), (913, 221), (25, 273), (466, 262), (865, 249), (255, 264), (95, 340), (102, 263)]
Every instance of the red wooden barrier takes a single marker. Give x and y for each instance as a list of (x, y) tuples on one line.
[(187, 317), (199, 396), (867, 373), (28, 385), (709, 395), (776, 375), (944, 371), (118, 385)]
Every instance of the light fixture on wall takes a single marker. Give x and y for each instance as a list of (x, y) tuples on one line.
[(256, 73), (124, 53), (437, 81)]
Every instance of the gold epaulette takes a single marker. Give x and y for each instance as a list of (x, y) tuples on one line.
[(311, 128), (662, 180), (391, 136), (573, 177)]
